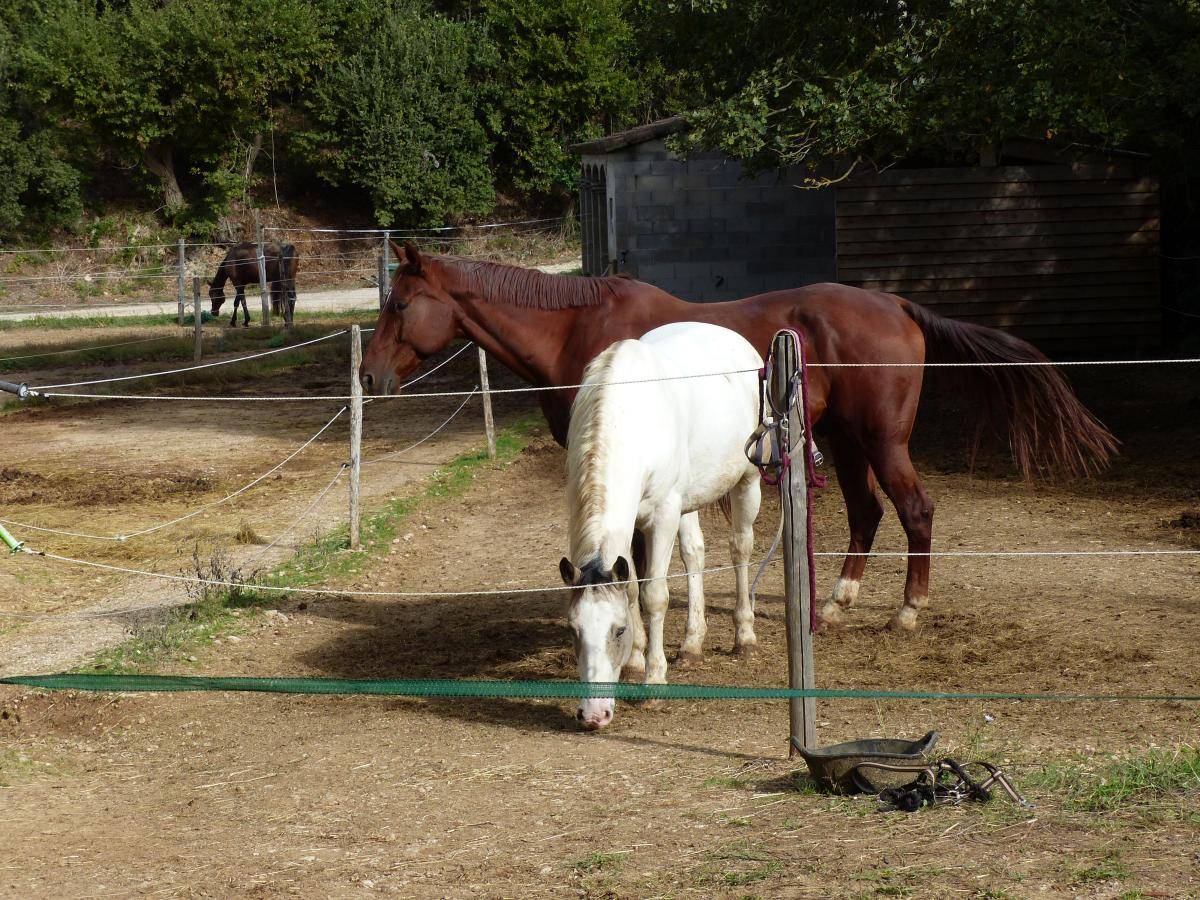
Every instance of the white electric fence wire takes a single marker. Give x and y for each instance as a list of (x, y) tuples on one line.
[(499, 591), (220, 362), (300, 518), (133, 534), (39, 391), (415, 444)]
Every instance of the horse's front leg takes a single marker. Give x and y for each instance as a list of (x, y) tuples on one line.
[(745, 500), (635, 668), (655, 597), (241, 295), (691, 551)]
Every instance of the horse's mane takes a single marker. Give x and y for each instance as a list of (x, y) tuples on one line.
[(528, 288), (587, 451)]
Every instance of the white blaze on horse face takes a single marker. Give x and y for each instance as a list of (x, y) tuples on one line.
[(599, 617)]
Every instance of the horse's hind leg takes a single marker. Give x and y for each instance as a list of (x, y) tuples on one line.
[(863, 512), (745, 500), (691, 551), (903, 486)]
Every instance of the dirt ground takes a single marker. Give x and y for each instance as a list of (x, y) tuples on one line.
[(249, 795)]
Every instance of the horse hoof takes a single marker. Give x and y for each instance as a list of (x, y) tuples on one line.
[(686, 659), (905, 620), (746, 652), (654, 704), (635, 675)]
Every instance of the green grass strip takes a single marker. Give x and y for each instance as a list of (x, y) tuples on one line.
[(455, 688)]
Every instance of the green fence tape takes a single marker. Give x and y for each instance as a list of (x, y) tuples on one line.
[(452, 688)]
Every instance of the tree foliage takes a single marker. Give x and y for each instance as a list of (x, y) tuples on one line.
[(877, 81), (39, 188), (563, 75), (397, 118)]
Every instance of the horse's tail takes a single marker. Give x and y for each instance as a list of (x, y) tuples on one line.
[(1049, 430)]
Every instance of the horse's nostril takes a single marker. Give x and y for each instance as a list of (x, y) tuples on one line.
[(367, 381)]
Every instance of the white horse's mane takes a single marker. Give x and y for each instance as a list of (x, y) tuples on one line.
[(588, 448)]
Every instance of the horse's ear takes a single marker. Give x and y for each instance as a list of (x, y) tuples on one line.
[(413, 256), (621, 569), (567, 570)]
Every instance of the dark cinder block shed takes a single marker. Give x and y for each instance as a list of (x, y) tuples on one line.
[(1058, 245), (698, 228)]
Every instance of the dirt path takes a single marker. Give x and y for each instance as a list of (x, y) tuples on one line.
[(221, 795), (156, 462)]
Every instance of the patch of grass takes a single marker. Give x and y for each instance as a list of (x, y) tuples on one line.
[(736, 865), (1109, 868), (888, 882), (15, 766), (725, 781), (247, 535), (1156, 775), (217, 611), (599, 861)]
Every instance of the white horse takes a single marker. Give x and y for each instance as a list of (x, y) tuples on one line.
[(647, 455)]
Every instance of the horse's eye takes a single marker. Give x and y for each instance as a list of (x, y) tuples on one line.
[(620, 631)]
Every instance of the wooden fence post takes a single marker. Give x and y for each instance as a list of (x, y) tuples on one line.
[(489, 425), (385, 281), (182, 279), (786, 391), (262, 270), (356, 408), (198, 315)]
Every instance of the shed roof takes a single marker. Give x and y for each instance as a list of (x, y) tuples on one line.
[(639, 135)]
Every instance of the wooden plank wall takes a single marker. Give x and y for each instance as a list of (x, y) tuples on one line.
[(1066, 256)]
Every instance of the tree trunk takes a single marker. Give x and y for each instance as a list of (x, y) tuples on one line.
[(252, 151), (160, 160)]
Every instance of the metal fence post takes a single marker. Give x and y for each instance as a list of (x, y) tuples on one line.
[(489, 425), (262, 271), (198, 315), (786, 391), (182, 279), (356, 408)]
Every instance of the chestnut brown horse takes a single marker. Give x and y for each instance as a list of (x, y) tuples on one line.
[(240, 266), (546, 328)]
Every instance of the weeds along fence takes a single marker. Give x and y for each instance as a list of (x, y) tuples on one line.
[(800, 695), (43, 279)]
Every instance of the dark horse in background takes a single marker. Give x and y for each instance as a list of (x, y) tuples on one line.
[(546, 328), (240, 266)]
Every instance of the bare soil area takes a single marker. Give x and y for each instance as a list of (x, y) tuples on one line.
[(259, 795)]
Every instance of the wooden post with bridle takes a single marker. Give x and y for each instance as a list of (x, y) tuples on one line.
[(489, 424), (182, 281), (786, 394), (356, 418), (262, 270), (198, 315)]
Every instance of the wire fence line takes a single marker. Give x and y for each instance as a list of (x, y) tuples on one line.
[(41, 389), (191, 515), (500, 590), (50, 390)]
